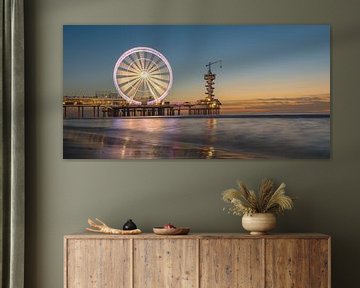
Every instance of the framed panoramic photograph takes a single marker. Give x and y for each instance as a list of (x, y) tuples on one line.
[(196, 92)]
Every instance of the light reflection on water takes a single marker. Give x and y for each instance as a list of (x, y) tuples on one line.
[(220, 138)]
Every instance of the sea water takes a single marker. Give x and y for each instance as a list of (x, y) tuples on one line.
[(222, 137)]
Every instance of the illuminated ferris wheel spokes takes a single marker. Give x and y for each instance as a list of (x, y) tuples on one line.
[(143, 75)]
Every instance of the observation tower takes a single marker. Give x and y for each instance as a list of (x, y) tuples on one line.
[(209, 78)]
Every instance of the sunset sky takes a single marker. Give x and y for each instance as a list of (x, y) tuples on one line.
[(266, 68)]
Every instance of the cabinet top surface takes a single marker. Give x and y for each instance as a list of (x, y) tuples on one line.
[(87, 235)]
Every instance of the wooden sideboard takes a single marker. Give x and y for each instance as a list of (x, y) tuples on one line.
[(197, 260)]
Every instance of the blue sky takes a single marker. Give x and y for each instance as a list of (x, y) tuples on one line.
[(259, 61)]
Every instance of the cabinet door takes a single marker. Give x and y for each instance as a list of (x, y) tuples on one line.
[(165, 263), (231, 263), (320, 263), (287, 263), (98, 263)]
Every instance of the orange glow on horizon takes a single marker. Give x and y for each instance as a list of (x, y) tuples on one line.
[(316, 103)]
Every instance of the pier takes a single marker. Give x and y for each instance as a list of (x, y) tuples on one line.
[(80, 111), (105, 106)]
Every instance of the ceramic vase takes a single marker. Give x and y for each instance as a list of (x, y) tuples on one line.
[(259, 223)]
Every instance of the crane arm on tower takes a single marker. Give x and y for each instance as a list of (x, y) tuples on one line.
[(212, 63)]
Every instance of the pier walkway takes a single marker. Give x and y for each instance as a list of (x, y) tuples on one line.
[(101, 111)]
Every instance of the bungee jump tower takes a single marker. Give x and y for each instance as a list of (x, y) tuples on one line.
[(209, 78)]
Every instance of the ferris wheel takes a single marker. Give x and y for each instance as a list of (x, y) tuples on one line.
[(143, 75)]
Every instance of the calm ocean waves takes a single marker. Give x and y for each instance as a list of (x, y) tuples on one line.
[(244, 137)]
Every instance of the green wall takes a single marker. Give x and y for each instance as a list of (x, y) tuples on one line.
[(61, 194)]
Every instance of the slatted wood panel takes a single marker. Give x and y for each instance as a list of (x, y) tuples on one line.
[(197, 260), (287, 263), (231, 263), (98, 264), (319, 263), (170, 263)]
